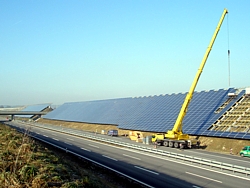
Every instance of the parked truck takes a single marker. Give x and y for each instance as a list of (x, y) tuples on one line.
[(175, 137)]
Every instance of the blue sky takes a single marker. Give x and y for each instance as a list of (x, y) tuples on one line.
[(65, 51)]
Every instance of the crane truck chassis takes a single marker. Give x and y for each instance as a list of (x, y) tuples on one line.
[(175, 137), (161, 140)]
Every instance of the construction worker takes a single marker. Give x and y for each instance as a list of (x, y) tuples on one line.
[(231, 151), (155, 144)]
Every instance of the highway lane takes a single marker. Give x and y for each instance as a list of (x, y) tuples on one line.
[(230, 159), (109, 156), (220, 157), (147, 166), (155, 171), (159, 166)]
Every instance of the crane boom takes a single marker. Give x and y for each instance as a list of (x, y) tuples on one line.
[(176, 132)]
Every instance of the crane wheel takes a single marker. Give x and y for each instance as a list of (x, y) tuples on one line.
[(171, 144), (165, 143), (176, 144)]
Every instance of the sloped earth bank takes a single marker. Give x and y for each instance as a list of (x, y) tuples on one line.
[(212, 144)]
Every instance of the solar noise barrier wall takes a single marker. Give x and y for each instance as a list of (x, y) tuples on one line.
[(34, 108), (153, 113)]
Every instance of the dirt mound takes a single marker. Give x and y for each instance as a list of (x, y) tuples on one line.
[(223, 145)]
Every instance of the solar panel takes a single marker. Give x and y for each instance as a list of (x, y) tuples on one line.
[(241, 135), (247, 136), (36, 108), (154, 113)]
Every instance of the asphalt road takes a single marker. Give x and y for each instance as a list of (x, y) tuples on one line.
[(149, 169)]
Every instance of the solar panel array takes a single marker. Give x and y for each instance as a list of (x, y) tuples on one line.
[(153, 113), (36, 108), (202, 112), (241, 135)]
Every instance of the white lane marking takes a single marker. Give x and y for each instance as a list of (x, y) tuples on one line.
[(68, 143), (147, 170), (204, 177), (85, 149), (196, 186), (37, 133), (131, 157), (93, 146), (109, 157), (45, 135), (70, 139), (55, 139)]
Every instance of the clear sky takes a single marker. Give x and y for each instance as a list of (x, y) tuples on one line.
[(56, 51)]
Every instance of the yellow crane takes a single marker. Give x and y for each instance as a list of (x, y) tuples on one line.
[(175, 137)]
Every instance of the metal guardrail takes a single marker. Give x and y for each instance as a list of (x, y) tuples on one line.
[(186, 158)]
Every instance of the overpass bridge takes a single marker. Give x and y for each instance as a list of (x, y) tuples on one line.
[(13, 113)]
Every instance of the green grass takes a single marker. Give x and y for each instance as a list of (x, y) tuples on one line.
[(25, 162)]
